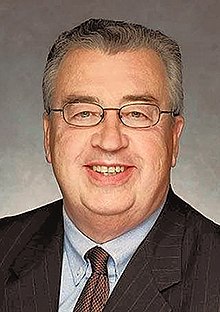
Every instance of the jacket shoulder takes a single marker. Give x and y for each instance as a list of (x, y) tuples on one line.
[(7, 223), (193, 218), (198, 220), (201, 237)]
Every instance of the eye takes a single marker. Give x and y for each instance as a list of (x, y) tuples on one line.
[(84, 114), (136, 114)]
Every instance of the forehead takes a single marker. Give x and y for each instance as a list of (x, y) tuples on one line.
[(111, 76)]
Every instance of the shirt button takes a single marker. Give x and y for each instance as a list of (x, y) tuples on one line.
[(88, 273), (79, 272)]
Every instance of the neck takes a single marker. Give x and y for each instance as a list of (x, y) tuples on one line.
[(102, 228)]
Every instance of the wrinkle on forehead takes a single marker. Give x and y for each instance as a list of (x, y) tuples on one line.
[(95, 74)]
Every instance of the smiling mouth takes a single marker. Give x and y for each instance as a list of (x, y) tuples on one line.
[(108, 170)]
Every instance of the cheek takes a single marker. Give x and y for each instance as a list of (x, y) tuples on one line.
[(156, 151), (68, 147)]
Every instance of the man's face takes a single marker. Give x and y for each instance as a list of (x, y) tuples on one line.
[(145, 155)]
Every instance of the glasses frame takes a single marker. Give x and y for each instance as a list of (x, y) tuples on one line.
[(62, 110)]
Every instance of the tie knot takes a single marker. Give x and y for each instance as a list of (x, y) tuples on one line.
[(98, 258)]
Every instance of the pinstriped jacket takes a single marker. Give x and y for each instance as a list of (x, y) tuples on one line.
[(176, 267)]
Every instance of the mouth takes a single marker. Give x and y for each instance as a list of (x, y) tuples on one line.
[(108, 170), (105, 174)]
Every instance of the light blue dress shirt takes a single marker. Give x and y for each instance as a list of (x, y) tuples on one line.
[(76, 270)]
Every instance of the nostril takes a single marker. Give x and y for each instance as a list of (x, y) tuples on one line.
[(110, 138)]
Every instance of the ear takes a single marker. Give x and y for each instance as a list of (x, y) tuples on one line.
[(177, 131), (46, 128)]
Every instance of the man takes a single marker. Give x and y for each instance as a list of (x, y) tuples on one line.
[(120, 240)]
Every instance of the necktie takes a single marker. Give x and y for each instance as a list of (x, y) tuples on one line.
[(95, 293)]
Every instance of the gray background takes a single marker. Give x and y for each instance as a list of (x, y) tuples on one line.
[(27, 29)]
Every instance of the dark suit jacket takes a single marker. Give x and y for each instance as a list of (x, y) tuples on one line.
[(176, 267)]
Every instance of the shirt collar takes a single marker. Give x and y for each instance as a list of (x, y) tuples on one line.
[(123, 247), (120, 249), (76, 244)]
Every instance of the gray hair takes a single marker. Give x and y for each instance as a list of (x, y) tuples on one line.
[(112, 37)]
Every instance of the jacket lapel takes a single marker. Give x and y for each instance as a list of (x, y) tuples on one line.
[(155, 266), (137, 290)]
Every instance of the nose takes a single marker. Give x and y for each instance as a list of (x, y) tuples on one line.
[(109, 136)]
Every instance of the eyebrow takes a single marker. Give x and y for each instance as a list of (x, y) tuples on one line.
[(76, 98), (139, 98)]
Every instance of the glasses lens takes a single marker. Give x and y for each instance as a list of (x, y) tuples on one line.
[(140, 115), (82, 114)]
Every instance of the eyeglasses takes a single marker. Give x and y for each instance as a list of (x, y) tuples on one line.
[(134, 115)]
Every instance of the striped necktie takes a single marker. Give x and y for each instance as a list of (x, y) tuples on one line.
[(95, 293)]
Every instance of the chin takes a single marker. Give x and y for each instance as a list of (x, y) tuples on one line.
[(106, 206)]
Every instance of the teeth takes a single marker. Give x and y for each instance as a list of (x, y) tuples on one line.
[(108, 170), (111, 169), (118, 169), (104, 169)]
